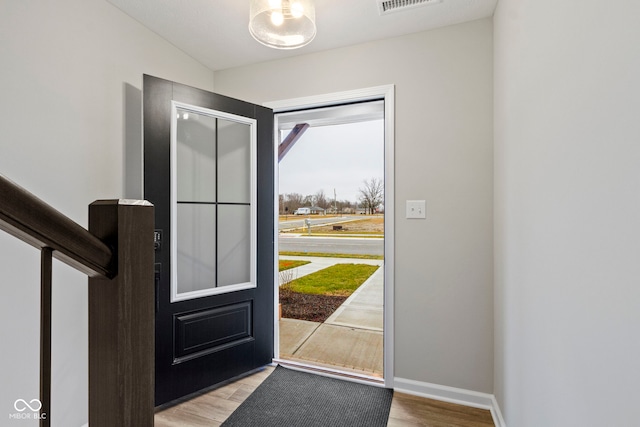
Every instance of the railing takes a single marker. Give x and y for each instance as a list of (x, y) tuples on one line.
[(117, 255)]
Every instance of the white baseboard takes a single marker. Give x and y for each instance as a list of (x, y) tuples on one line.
[(458, 396), (496, 413)]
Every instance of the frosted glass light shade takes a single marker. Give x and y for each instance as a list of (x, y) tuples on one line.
[(282, 24)]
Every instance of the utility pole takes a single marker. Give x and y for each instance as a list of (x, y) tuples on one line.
[(335, 202)]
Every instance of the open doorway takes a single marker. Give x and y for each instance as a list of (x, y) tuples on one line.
[(335, 180)]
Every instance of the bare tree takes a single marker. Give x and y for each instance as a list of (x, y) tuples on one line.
[(320, 199), (308, 200), (293, 201), (345, 206), (371, 195)]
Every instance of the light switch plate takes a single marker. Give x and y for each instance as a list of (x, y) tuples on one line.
[(416, 209)]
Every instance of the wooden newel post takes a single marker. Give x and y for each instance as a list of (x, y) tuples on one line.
[(121, 317)]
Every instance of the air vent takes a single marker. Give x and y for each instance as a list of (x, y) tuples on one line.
[(389, 6)]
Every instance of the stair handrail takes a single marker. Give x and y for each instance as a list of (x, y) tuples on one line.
[(33, 221), (117, 254)]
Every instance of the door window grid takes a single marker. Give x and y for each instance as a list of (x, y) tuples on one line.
[(213, 227)]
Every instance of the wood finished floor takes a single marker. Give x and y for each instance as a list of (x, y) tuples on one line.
[(212, 408)]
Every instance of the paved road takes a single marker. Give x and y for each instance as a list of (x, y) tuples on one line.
[(334, 245), (297, 222)]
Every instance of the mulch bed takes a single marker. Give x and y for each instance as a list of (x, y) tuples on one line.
[(315, 308)]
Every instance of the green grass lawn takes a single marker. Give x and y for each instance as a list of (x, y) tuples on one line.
[(286, 264), (339, 279)]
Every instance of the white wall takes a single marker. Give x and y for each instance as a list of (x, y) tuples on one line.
[(70, 73), (567, 209), (444, 277)]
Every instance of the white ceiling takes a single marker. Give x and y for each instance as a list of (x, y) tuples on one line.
[(215, 32)]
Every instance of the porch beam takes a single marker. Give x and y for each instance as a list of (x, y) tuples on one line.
[(288, 143)]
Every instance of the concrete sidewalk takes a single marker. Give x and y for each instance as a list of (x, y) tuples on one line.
[(364, 308), (351, 338)]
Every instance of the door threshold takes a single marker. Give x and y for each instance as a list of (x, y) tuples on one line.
[(331, 372)]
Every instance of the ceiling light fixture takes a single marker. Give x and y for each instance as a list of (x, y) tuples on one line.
[(282, 24)]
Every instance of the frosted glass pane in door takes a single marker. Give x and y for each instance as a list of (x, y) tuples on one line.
[(234, 244), (234, 162), (196, 238), (196, 157)]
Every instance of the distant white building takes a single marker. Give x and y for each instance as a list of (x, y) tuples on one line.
[(313, 210), (302, 211)]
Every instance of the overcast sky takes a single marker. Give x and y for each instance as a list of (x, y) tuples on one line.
[(340, 157)]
